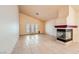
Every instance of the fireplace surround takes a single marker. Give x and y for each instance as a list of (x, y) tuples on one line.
[(65, 32)]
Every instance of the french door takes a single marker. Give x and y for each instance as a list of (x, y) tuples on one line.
[(32, 28)]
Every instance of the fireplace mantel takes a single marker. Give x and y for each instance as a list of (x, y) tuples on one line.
[(65, 26)]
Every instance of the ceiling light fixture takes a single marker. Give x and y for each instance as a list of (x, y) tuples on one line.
[(37, 13)]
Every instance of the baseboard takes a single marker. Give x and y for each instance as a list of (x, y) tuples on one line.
[(31, 34)]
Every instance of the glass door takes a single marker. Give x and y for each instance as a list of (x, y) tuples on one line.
[(36, 28), (28, 28), (32, 28)]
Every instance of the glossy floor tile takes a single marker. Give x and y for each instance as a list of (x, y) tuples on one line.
[(43, 44)]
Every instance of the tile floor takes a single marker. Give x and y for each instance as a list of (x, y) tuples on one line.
[(43, 44)]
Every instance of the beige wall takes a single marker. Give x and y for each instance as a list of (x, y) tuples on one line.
[(9, 28), (59, 20), (76, 30), (24, 19), (49, 27), (72, 19)]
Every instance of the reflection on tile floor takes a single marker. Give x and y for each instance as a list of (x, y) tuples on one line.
[(43, 44)]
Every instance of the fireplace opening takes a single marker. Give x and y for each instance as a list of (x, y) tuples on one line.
[(64, 35)]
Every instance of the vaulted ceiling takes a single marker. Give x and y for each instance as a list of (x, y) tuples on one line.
[(44, 12), (76, 7)]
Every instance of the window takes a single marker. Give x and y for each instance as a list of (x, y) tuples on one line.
[(32, 28), (28, 28), (36, 28)]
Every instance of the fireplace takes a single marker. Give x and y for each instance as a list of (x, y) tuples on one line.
[(64, 35), (65, 32)]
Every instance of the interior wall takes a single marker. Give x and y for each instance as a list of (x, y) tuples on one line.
[(9, 28), (76, 30), (60, 20), (49, 28), (62, 15), (72, 19), (49, 25), (24, 19), (77, 19)]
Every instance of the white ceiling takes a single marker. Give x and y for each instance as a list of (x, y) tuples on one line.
[(43, 12)]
